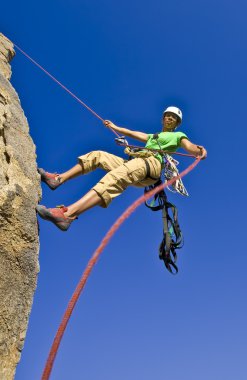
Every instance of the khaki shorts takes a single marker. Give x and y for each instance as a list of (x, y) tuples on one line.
[(121, 173)]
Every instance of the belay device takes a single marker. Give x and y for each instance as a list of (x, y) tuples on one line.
[(172, 235)]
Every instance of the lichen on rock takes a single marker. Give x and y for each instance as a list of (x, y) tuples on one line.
[(19, 241)]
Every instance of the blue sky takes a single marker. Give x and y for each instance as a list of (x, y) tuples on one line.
[(129, 60)]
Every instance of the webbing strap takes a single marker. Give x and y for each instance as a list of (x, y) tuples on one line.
[(172, 235), (149, 170)]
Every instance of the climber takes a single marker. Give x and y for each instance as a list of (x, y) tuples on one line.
[(139, 172)]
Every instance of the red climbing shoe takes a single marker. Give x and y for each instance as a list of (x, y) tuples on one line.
[(56, 216), (51, 179)]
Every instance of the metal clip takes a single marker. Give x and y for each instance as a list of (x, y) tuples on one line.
[(121, 141)]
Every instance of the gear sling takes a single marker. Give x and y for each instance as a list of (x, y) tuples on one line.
[(172, 235)]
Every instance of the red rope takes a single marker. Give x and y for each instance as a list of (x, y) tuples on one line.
[(93, 261), (64, 87)]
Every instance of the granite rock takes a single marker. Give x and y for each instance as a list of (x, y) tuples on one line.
[(19, 239)]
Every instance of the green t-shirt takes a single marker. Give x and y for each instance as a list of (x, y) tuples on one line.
[(169, 141)]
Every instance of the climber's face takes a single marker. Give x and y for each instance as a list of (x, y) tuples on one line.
[(170, 121)]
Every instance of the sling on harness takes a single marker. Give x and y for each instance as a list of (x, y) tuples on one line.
[(172, 235), (137, 153), (169, 165)]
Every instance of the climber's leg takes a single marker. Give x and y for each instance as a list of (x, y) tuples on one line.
[(87, 163), (133, 172), (89, 200), (63, 216), (99, 159)]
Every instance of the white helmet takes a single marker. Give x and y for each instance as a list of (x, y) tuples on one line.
[(176, 111)]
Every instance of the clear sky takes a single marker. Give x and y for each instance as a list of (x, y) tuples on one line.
[(129, 60)]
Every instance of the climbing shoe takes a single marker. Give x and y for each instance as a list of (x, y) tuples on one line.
[(51, 179), (56, 216)]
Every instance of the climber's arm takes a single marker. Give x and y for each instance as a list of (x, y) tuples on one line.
[(197, 150), (127, 132)]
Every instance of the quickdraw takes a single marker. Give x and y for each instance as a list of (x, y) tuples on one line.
[(169, 171)]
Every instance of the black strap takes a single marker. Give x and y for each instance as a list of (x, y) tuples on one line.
[(156, 136), (159, 198), (167, 251), (172, 235), (149, 170)]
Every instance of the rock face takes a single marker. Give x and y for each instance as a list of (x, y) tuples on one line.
[(19, 242)]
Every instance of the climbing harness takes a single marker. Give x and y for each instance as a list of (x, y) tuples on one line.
[(169, 166), (172, 235)]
